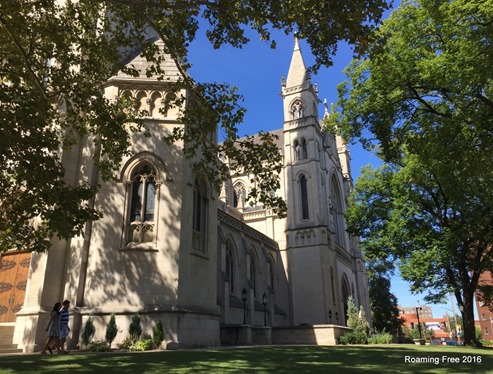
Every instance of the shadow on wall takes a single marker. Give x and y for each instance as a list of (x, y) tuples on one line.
[(140, 279)]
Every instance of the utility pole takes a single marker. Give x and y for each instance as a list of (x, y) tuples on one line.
[(455, 318)]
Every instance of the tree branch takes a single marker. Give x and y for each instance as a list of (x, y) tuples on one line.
[(21, 50), (418, 97)]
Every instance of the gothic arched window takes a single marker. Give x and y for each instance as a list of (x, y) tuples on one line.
[(239, 195), (332, 286), (304, 149), (337, 212), (304, 198), (199, 223), (297, 150), (253, 277), (297, 110), (142, 203), (230, 270), (345, 295), (271, 276)]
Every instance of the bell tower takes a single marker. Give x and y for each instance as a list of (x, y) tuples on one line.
[(307, 236)]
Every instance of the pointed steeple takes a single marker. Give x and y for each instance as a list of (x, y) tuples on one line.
[(297, 74)]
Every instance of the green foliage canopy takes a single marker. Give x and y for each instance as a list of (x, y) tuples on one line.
[(56, 56), (423, 98), (383, 304)]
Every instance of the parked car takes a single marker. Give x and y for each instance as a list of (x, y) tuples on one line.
[(451, 342)]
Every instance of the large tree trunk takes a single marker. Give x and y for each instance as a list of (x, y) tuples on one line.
[(467, 310)]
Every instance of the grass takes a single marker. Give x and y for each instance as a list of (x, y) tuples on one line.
[(272, 359)]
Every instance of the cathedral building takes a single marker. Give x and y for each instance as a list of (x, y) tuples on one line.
[(212, 268)]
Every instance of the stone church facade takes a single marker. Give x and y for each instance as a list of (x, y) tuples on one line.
[(213, 269)]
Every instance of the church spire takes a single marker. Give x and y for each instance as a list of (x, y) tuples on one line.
[(297, 74)]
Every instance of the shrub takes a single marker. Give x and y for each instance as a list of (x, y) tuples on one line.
[(158, 334), (111, 330), (135, 330), (88, 331), (414, 333), (356, 319), (428, 333), (98, 346), (143, 345), (354, 337), (479, 334), (127, 343), (380, 338)]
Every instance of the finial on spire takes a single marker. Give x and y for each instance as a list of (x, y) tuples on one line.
[(326, 109), (296, 42)]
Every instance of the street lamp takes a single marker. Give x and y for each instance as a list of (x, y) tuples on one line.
[(418, 308), (264, 301), (337, 318), (244, 294), (330, 317)]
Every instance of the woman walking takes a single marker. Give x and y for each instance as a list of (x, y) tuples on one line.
[(53, 329)]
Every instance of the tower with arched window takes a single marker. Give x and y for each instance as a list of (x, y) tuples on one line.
[(317, 248)]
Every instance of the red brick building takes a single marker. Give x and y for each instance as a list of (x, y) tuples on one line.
[(440, 326), (485, 312)]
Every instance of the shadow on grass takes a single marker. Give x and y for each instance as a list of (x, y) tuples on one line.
[(275, 359)]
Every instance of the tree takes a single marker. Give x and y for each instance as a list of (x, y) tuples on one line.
[(423, 99), (88, 331), (414, 218), (135, 330), (356, 320), (383, 304), (158, 334), (55, 61), (111, 330)]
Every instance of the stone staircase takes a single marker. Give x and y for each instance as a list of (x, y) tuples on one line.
[(6, 335)]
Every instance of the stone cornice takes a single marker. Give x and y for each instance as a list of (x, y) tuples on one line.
[(228, 220)]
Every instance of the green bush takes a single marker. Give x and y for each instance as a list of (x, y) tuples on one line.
[(414, 333), (111, 330), (356, 320), (98, 346), (88, 331), (135, 330), (487, 342), (380, 338), (143, 345), (127, 343), (479, 334), (158, 334), (354, 337)]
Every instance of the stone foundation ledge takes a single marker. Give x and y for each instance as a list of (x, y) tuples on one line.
[(309, 334)]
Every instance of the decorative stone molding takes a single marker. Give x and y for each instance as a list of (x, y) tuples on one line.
[(231, 221)]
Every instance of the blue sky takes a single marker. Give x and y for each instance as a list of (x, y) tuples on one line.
[(256, 70)]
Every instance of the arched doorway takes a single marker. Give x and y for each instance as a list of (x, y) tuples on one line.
[(345, 296)]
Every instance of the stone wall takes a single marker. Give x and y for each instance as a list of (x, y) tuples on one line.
[(309, 334)]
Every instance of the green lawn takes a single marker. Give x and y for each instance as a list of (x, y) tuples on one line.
[(274, 359)]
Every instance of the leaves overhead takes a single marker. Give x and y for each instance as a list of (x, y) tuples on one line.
[(55, 61)]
